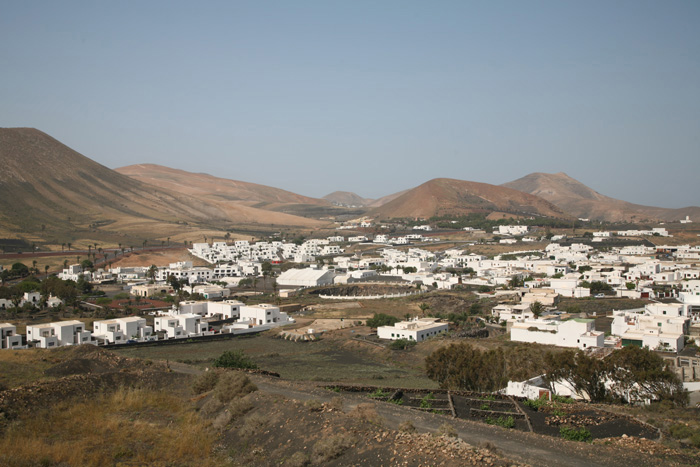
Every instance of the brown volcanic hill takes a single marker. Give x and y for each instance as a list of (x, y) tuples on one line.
[(46, 183), (385, 199), (445, 196), (214, 188), (347, 198), (578, 200)]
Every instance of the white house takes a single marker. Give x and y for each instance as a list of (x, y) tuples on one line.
[(9, 339), (661, 326), (574, 332), (415, 330), (60, 333), (505, 312), (512, 229), (308, 277), (263, 314), (183, 325), (120, 330)]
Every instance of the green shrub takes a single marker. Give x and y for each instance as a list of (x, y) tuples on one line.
[(381, 319), (402, 344), (535, 404), (575, 434), (562, 399), (695, 440), (680, 431), (378, 394), (234, 359), (426, 402), (505, 422)]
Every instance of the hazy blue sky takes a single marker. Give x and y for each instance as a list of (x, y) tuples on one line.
[(368, 96)]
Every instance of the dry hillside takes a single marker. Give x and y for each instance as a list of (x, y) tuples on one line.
[(347, 198), (48, 186), (578, 200), (207, 186), (445, 196)]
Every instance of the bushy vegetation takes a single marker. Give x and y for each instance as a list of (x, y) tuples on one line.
[(505, 422), (234, 359), (381, 319), (575, 434), (463, 366), (638, 373), (205, 382), (402, 344), (379, 393), (232, 385), (535, 404)]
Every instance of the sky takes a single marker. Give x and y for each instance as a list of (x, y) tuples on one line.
[(372, 96)]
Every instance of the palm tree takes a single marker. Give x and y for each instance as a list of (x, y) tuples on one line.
[(69, 245), (46, 270), (63, 245), (423, 308)]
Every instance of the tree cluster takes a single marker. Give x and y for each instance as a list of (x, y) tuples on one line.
[(627, 375), (381, 319)]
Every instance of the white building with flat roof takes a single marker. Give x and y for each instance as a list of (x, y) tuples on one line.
[(415, 330), (179, 326), (9, 339), (263, 314), (120, 330), (57, 334), (576, 332), (309, 277)]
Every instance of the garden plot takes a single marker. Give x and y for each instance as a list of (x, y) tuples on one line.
[(554, 418), (491, 409)]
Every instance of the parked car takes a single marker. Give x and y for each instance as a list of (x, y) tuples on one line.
[(600, 295)]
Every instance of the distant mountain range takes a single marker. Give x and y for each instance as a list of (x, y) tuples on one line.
[(450, 197), (46, 185), (349, 199), (576, 199)]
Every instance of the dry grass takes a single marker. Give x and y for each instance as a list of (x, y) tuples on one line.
[(331, 447), (367, 411), (232, 385), (18, 367), (135, 426)]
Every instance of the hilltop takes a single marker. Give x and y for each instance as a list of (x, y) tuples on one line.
[(578, 200), (347, 198), (50, 187), (445, 196)]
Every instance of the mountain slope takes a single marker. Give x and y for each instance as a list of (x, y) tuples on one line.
[(445, 196), (347, 198), (578, 200), (214, 188), (45, 183)]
